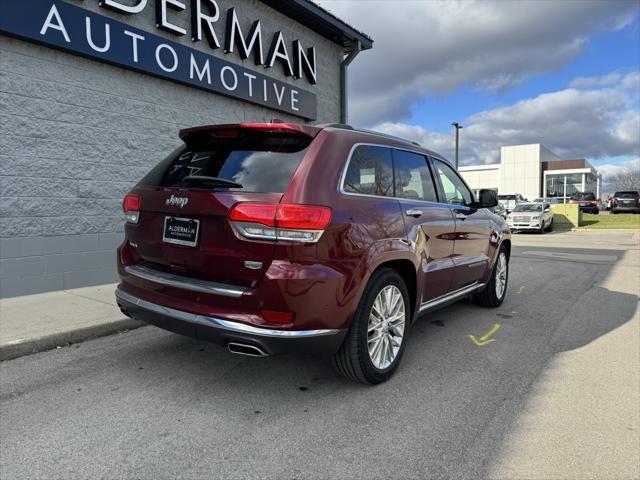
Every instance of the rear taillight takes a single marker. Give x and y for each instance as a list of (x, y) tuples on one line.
[(131, 207), (286, 221)]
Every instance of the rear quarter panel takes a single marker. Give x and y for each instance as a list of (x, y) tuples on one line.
[(365, 231)]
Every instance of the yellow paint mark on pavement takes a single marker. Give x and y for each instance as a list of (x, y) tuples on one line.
[(521, 288), (484, 340), (530, 268)]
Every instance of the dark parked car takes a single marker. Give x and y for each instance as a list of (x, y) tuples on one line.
[(626, 201), (587, 202), (280, 238)]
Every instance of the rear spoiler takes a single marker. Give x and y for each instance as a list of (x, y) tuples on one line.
[(234, 129)]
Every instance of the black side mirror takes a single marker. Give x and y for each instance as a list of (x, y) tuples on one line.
[(487, 199)]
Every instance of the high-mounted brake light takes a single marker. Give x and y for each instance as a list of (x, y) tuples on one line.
[(236, 129), (287, 221), (230, 133), (131, 207)]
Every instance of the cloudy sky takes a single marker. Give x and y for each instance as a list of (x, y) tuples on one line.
[(563, 73)]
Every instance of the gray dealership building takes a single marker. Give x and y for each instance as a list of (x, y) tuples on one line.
[(93, 93)]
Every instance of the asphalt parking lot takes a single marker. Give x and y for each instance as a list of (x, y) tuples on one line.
[(551, 392)]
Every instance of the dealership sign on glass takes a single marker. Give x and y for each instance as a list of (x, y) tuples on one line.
[(69, 27)]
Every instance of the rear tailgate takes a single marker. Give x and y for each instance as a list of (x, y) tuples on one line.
[(217, 255), (183, 227)]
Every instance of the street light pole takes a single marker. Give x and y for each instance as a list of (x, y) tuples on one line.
[(457, 127)]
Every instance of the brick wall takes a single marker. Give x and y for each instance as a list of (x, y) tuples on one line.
[(76, 134)]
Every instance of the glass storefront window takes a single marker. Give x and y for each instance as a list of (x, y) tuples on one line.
[(561, 185), (574, 183), (555, 186), (591, 183)]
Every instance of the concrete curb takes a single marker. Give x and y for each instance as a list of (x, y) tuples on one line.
[(49, 342)]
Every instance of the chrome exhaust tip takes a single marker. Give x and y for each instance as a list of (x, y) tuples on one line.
[(246, 349)]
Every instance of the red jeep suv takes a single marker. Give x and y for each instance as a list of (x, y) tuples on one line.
[(280, 238)]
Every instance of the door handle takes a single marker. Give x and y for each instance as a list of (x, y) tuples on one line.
[(413, 212), (461, 216)]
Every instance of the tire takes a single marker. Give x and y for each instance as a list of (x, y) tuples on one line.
[(489, 297), (550, 227), (541, 230), (354, 360)]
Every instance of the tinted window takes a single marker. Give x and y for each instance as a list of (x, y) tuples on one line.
[(507, 197), (370, 171), (583, 196), (413, 178), (628, 194), (258, 162), (454, 189)]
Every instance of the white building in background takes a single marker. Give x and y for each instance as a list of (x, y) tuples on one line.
[(534, 171)]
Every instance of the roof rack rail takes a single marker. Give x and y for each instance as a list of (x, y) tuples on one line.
[(344, 126), (386, 135)]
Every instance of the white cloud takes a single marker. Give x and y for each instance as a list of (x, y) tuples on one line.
[(601, 81), (609, 169), (593, 124), (435, 47)]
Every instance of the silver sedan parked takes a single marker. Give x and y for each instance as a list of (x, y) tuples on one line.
[(535, 217)]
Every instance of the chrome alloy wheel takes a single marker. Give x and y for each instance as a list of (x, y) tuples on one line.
[(386, 327), (501, 274)]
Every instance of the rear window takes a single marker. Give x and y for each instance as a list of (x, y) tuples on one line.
[(628, 194), (583, 196), (258, 162)]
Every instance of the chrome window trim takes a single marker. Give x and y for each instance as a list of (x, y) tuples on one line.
[(186, 283), (226, 325)]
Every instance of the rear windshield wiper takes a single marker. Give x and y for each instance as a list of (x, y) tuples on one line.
[(222, 182)]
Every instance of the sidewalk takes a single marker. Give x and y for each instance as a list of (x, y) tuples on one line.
[(34, 323)]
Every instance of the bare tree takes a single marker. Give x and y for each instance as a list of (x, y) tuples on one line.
[(626, 179)]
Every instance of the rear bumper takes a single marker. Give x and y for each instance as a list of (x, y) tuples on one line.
[(221, 331), (625, 208), (590, 208)]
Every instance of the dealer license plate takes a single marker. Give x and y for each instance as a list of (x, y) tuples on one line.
[(181, 231)]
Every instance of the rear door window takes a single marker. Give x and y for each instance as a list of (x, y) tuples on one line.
[(413, 179), (370, 171), (257, 162)]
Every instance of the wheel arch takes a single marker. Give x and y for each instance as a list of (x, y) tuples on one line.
[(507, 246), (407, 270)]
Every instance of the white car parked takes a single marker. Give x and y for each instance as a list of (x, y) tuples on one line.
[(535, 217), (509, 202)]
